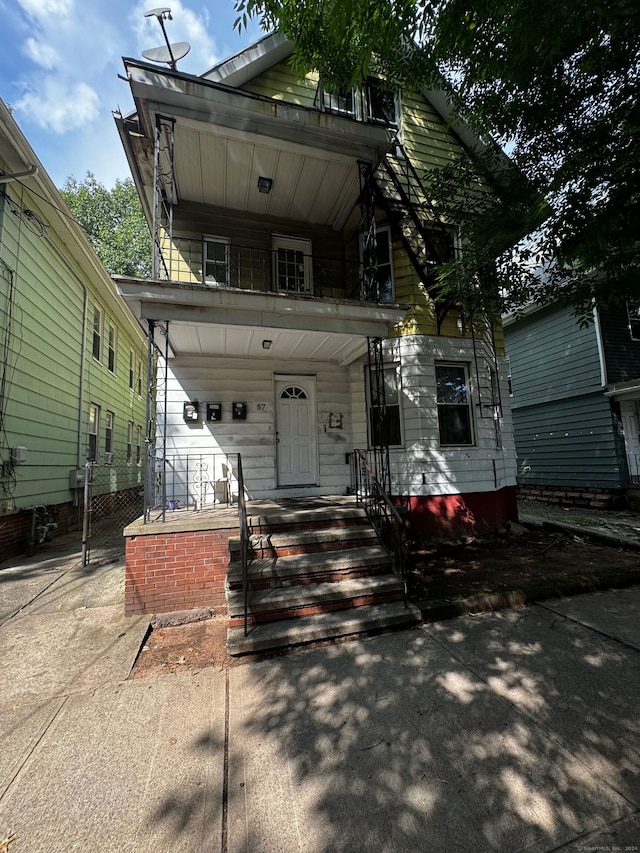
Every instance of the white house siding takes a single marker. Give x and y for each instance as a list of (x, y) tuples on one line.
[(209, 379), (421, 467)]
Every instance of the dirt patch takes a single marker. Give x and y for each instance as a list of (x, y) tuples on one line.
[(538, 562), (518, 560)]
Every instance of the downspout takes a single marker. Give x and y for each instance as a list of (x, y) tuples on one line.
[(6, 177), (603, 365)]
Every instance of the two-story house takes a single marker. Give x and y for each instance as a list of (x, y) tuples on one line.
[(294, 309), (72, 367)]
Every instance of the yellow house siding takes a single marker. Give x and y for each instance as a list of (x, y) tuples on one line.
[(283, 84)]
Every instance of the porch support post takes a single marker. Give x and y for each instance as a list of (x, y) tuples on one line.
[(150, 438), (163, 196), (369, 242), (378, 408)]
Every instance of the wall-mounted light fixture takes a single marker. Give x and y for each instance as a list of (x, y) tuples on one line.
[(266, 344), (265, 184)]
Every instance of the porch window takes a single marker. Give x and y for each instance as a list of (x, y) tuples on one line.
[(216, 260), (390, 428), (633, 312), (292, 264), (454, 409)]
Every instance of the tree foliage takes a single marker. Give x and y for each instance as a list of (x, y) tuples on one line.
[(113, 222), (555, 83)]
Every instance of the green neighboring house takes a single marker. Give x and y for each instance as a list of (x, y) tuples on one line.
[(73, 357)]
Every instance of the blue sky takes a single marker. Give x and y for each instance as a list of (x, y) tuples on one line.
[(59, 66)]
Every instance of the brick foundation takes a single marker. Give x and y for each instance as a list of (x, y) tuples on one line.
[(168, 570), (446, 516), (567, 496), (15, 527)]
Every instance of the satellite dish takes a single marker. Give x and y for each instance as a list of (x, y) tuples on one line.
[(170, 53)]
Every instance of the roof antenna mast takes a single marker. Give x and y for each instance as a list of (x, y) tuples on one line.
[(172, 52)]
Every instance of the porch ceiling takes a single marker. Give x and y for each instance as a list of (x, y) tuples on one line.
[(231, 323), (226, 138)]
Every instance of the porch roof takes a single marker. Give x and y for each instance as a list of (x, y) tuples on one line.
[(228, 322), (225, 138)]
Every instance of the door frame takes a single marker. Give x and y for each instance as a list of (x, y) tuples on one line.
[(308, 382)]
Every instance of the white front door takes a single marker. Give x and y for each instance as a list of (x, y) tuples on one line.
[(296, 439)]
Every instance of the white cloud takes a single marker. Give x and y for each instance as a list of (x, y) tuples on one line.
[(40, 53), (46, 8), (60, 107)]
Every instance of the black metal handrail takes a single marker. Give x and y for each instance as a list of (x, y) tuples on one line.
[(382, 513), (261, 270), (244, 542)]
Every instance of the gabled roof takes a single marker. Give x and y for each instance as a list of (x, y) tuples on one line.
[(252, 61)]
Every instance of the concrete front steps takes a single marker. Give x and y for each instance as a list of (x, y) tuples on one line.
[(313, 576)]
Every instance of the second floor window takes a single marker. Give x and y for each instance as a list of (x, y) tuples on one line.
[(292, 264), (98, 324), (634, 321), (112, 341), (215, 260)]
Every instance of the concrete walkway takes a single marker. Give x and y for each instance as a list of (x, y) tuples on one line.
[(503, 732)]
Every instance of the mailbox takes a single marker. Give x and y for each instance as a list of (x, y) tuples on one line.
[(191, 411), (239, 411), (214, 411)]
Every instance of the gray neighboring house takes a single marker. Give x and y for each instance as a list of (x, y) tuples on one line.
[(576, 404)]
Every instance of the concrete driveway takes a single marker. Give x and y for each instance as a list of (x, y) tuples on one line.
[(503, 732)]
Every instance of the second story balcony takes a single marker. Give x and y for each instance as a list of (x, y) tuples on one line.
[(287, 268)]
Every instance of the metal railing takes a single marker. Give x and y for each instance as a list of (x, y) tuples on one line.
[(194, 481), (244, 543), (182, 260), (381, 511)]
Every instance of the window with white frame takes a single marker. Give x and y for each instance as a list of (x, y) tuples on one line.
[(112, 341), (93, 431), (373, 103), (108, 437), (130, 443), (98, 326), (388, 429), (215, 261), (132, 370), (633, 312), (291, 264), (138, 445), (454, 407), (139, 378), (381, 105), (344, 103)]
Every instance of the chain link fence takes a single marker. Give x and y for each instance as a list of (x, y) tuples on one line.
[(115, 498)]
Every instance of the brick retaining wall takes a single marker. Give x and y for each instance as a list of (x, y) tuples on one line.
[(177, 570)]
